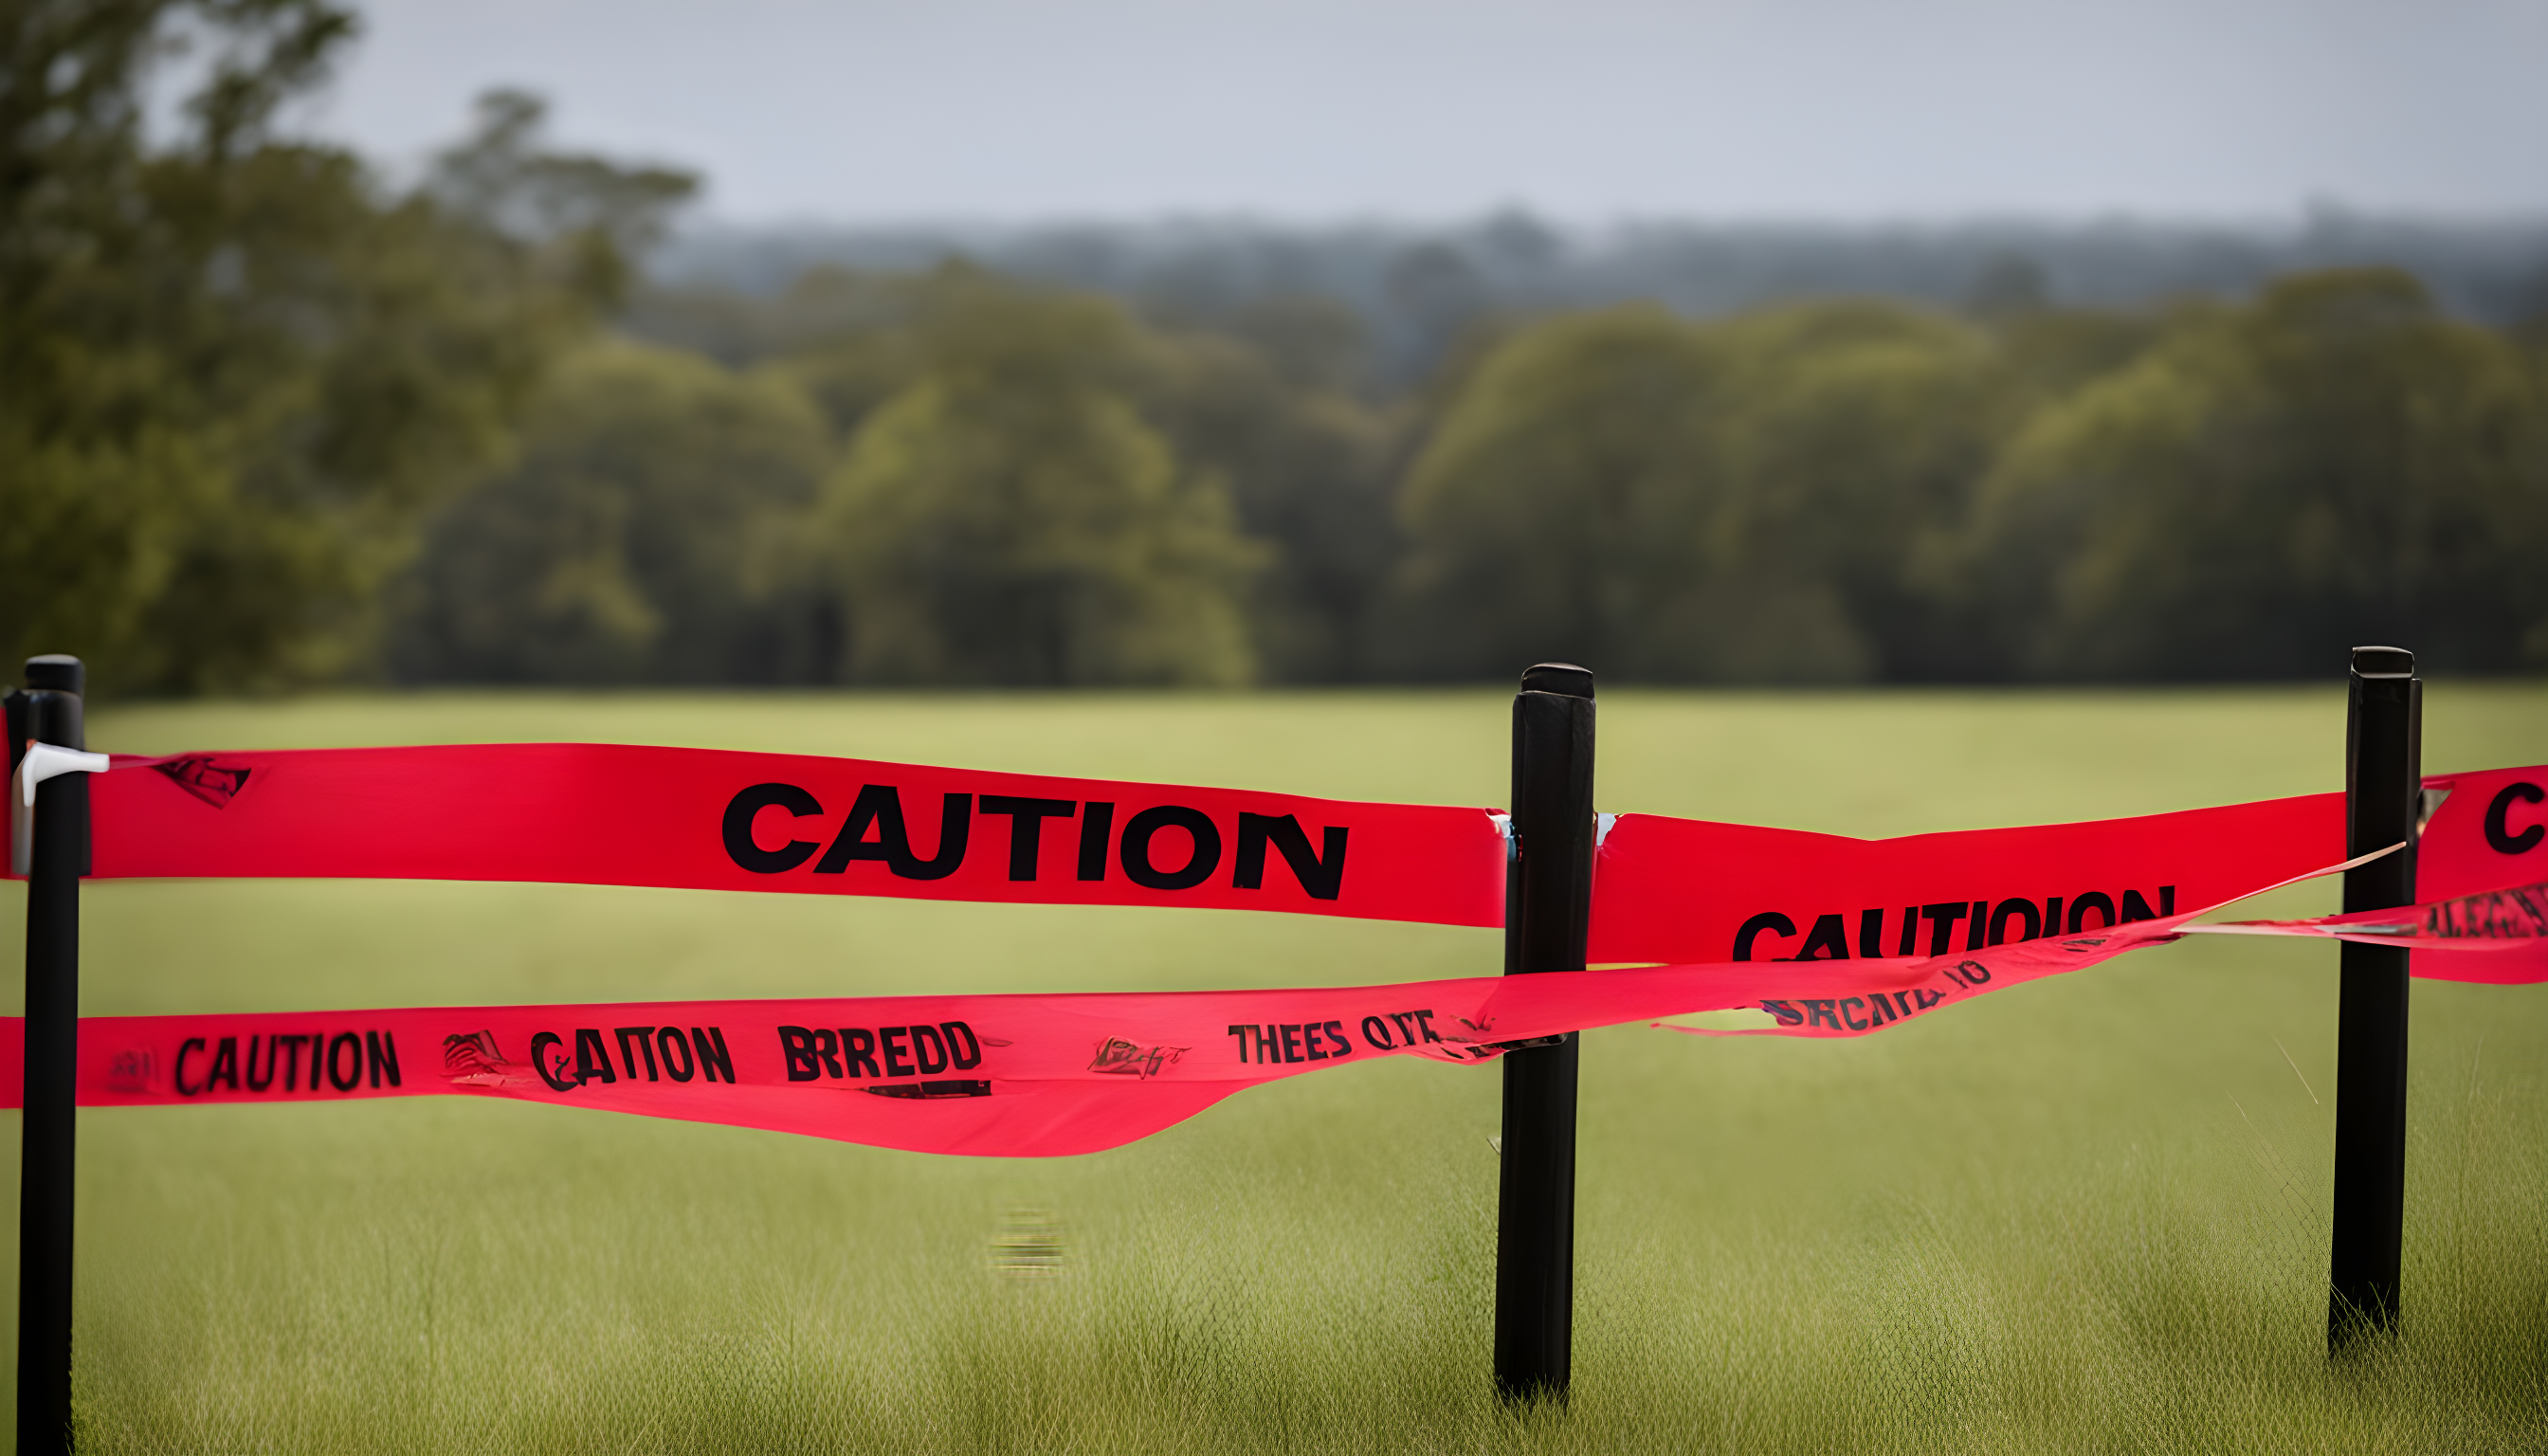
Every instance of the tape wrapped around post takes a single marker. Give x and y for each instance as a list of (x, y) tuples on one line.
[(37, 761)]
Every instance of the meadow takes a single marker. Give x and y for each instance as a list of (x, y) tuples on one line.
[(2088, 1214)]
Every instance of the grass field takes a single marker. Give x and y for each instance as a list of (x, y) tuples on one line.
[(2086, 1215)]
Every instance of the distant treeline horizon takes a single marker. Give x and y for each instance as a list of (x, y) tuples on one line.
[(1415, 285), (1821, 491), (269, 417)]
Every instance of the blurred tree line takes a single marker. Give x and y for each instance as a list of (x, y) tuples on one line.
[(237, 368), (1417, 288), (265, 419)]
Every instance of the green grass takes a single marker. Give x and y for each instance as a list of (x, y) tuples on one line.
[(2089, 1214)]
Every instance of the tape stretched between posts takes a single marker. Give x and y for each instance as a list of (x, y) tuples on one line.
[(1018, 1076), (2500, 937), (1032, 1075), (2482, 871), (1666, 890), (704, 819), (1007, 1074), (1686, 890)]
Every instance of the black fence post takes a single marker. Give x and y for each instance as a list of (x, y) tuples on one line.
[(2383, 794), (50, 708), (1548, 914)]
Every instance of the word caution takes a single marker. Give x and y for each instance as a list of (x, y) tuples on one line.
[(1166, 846), (272, 1065), (1982, 921)]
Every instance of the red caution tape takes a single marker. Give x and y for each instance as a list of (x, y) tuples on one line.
[(2482, 876), (1666, 890), (2498, 938), (2484, 831), (1888, 990), (692, 818), (1059, 1074), (1005, 1075), (1686, 890), (1833, 936)]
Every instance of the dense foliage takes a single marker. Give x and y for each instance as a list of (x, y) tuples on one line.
[(235, 367), (265, 419), (1850, 491), (1823, 491)]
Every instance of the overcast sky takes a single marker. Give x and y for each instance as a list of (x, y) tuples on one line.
[(1584, 111)]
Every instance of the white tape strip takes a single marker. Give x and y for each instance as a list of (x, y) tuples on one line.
[(43, 760)]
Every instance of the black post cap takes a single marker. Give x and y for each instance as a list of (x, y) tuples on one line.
[(2382, 661), (56, 671), (1563, 678)]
